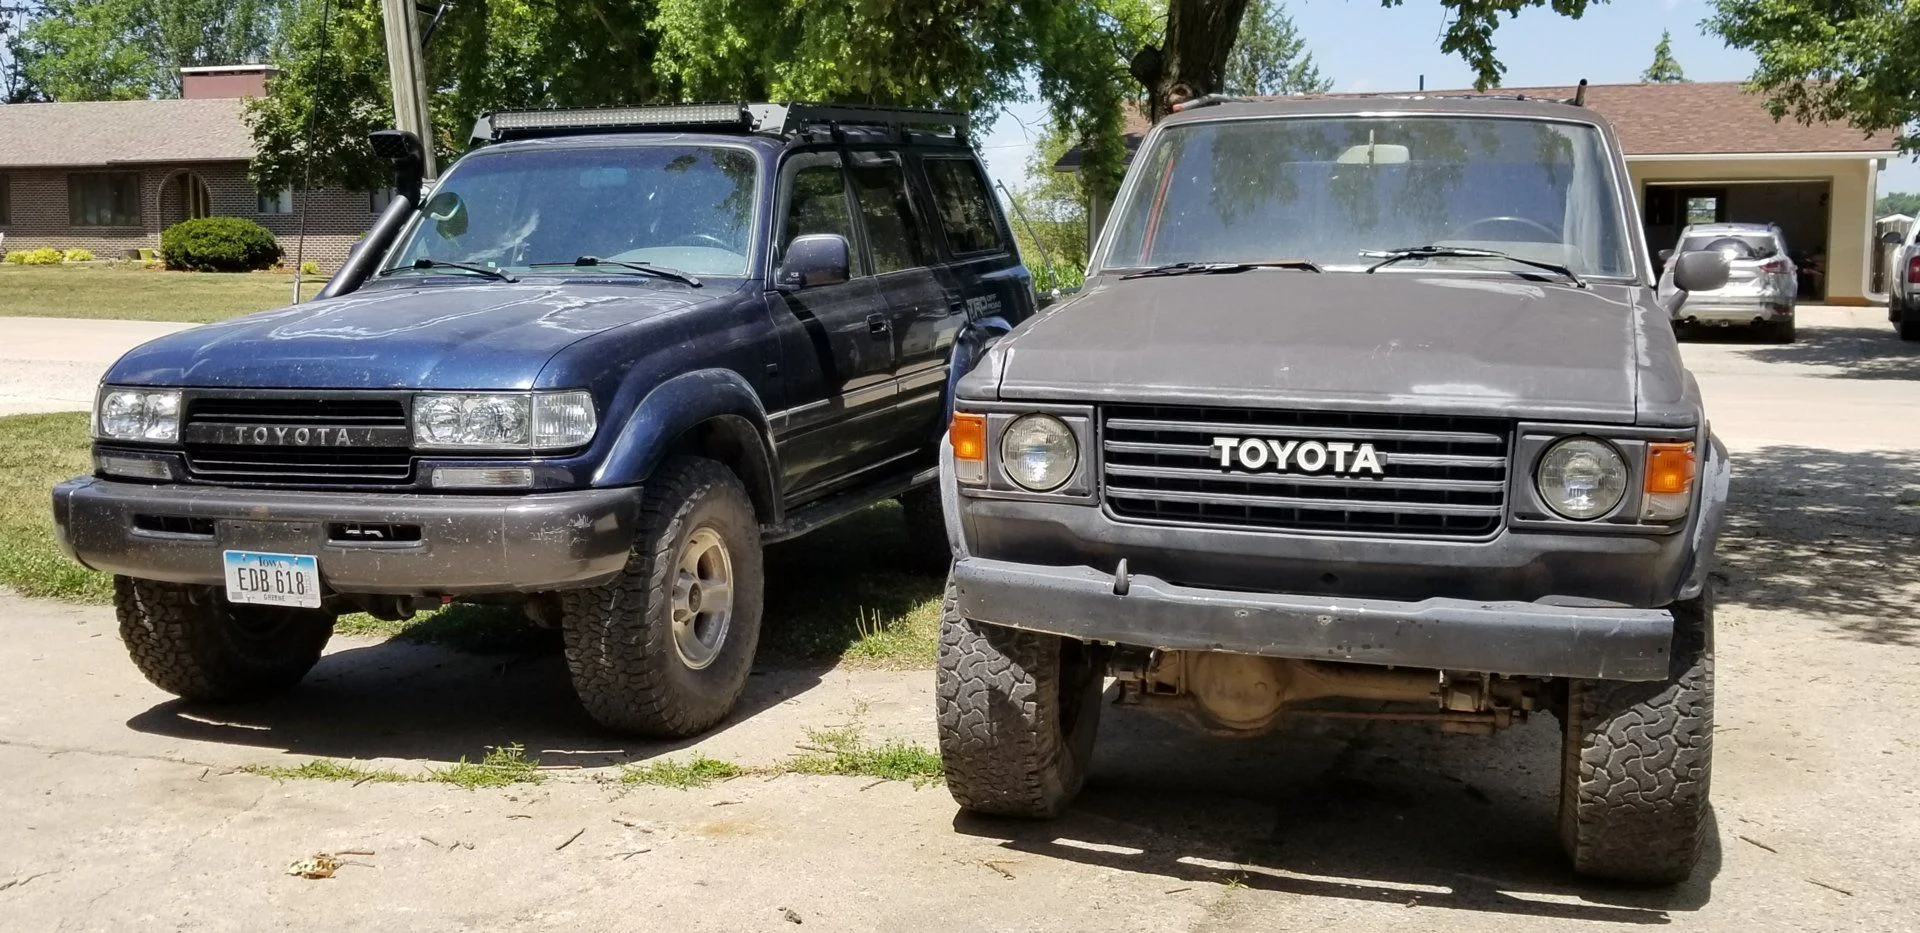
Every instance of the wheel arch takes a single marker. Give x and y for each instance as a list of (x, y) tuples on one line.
[(711, 413)]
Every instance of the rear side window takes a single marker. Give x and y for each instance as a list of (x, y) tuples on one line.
[(961, 199), (887, 209)]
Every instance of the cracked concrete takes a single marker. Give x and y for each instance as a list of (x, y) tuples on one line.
[(126, 810)]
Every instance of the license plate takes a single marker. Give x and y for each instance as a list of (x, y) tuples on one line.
[(273, 579)]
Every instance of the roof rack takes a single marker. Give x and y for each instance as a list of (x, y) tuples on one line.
[(834, 122)]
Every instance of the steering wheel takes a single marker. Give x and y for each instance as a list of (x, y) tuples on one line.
[(1552, 235), (702, 239)]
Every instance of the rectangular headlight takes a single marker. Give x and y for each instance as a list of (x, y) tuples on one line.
[(137, 415), (503, 420)]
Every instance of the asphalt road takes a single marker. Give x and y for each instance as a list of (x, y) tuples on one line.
[(125, 811)]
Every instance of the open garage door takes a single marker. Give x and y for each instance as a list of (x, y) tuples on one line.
[(1801, 208)]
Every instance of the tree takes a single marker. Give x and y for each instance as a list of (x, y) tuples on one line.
[(1269, 57), (1831, 61), (1049, 216), (15, 87), (1664, 70), (1898, 202), (132, 49)]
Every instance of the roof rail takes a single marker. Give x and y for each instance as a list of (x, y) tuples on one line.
[(788, 120)]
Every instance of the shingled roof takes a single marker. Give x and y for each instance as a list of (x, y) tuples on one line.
[(1653, 120), (123, 132)]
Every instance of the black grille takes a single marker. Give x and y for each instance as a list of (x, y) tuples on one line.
[(1444, 476), (298, 466)]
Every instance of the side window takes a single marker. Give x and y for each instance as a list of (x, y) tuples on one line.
[(816, 200), (886, 208), (966, 211)]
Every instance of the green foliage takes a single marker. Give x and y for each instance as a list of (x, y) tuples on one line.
[(79, 255), (1846, 62), (1050, 218), (326, 769), (309, 267), (1469, 32), (44, 256), (698, 771), (502, 766), (843, 751), (219, 244), (37, 451), (1270, 57), (1898, 202), (1665, 69), (133, 49)]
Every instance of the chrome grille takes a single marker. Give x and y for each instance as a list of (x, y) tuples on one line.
[(384, 465), (1444, 476)]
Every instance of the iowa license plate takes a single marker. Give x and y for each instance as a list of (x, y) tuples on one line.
[(273, 579)]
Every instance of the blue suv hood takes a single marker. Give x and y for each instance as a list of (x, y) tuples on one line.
[(431, 336)]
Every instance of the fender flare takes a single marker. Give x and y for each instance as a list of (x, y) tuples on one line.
[(678, 405), (1716, 477), (967, 349)]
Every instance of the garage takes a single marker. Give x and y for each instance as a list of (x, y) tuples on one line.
[(1801, 208)]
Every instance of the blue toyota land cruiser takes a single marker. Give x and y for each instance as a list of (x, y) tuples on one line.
[(590, 370)]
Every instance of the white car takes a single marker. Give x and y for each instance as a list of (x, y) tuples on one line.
[(1903, 284), (1760, 291)]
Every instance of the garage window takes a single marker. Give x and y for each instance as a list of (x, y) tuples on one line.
[(104, 199)]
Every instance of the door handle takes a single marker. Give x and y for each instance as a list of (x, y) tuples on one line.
[(878, 325)]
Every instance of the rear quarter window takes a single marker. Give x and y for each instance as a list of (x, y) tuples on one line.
[(965, 209)]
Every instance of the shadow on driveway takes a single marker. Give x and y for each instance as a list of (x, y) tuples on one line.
[(1846, 352)]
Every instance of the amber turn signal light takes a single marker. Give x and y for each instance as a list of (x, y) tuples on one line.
[(968, 434), (1670, 469)]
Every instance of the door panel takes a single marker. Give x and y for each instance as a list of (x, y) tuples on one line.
[(924, 314), (837, 354)]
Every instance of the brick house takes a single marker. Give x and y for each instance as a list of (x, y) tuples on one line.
[(109, 176)]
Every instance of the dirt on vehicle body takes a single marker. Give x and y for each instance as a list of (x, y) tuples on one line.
[(1369, 409)]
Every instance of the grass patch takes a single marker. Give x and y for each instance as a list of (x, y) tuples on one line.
[(842, 751), (325, 769), (503, 766), (474, 629), (37, 451), (133, 293), (698, 771), (851, 592)]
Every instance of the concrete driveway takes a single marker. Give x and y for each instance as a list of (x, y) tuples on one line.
[(125, 811), (54, 364)]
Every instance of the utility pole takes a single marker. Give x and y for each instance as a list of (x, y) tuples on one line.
[(407, 73)]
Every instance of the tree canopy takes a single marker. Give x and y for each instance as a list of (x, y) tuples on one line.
[(1270, 57), (1838, 61), (1665, 68), (132, 49)]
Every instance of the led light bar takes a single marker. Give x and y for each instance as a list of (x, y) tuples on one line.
[(541, 122)]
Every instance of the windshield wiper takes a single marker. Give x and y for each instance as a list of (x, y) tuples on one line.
[(494, 274), (1209, 268), (647, 267), (1388, 257)]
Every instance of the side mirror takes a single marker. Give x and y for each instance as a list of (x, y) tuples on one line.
[(1701, 271), (409, 159), (1890, 238), (815, 259), (1666, 255)]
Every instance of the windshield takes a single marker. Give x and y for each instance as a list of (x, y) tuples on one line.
[(688, 208), (1329, 189)]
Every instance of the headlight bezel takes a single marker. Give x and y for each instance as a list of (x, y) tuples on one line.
[(994, 482), (526, 412), (1061, 471), (1640, 510), (1613, 494), (157, 412)]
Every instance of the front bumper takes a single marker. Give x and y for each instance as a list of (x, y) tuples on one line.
[(468, 545), (1513, 638)]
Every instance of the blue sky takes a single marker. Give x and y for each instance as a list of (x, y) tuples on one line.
[(1365, 47)]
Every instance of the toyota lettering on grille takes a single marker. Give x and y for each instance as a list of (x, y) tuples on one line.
[(1340, 458), (288, 436)]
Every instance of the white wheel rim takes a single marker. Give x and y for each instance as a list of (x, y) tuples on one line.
[(702, 604)]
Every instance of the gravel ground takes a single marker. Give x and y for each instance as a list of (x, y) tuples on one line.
[(126, 811)]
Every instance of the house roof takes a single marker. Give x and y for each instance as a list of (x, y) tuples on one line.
[(122, 132), (1655, 120)]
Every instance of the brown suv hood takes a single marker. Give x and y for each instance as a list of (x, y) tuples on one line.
[(1453, 344)]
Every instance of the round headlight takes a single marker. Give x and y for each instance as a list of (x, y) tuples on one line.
[(123, 414), (1582, 478), (495, 419), (1039, 452)]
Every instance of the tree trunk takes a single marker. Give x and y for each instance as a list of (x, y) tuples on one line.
[(1200, 36)]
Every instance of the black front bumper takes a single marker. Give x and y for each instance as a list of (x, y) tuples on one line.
[(1514, 638), (468, 545)]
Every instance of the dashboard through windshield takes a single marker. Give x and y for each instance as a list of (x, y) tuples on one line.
[(685, 208)]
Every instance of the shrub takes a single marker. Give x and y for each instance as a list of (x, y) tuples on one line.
[(309, 268), (79, 255), (17, 257), (44, 256), (219, 244)]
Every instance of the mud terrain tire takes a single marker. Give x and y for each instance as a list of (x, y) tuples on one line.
[(192, 643), (1017, 716), (629, 664), (1637, 761)]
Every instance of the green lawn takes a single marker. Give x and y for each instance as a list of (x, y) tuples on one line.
[(132, 293), (848, 592)]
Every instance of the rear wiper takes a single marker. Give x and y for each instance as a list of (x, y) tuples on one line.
[(494, 274), (1209, 268), (664, 272), (1388, 257)]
